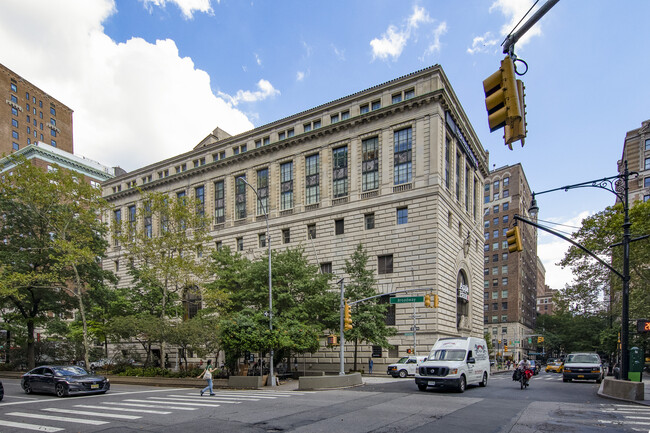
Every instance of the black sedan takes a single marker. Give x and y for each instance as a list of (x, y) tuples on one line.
[(63, 380)]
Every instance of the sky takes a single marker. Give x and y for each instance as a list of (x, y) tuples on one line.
[(148, 79)]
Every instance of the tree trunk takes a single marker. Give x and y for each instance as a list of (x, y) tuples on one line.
[(31, 363), (78, 293), (162, 333)]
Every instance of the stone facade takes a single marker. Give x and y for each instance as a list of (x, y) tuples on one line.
[(30, 115), (397, 167), (510, 278)]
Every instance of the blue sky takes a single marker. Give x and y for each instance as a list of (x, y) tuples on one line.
[(148, 79)]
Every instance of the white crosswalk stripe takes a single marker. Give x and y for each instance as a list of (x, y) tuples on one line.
[(123, 409), (86, 413), (215, 397), (29, 426), (151, 400), (154, 406), (57, 418), (195, 399)]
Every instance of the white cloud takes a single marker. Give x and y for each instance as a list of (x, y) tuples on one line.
[(435, 45), (514, 11), (300, 75), (551, 249), (483, 44), (266, 90), (340, 54), (134, 103), (393, 41), (187, 7), (258, 60)]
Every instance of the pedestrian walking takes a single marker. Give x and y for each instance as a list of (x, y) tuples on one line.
[(370, 363), (207, 375)]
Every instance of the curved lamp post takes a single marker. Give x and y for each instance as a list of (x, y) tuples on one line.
[(617, 185), (268, 243)]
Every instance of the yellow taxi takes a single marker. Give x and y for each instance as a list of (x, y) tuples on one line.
[(555, 367)]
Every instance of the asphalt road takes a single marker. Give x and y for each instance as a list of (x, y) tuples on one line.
[(381, 405)]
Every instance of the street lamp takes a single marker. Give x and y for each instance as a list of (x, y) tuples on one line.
[(268, 244), (617, 185)]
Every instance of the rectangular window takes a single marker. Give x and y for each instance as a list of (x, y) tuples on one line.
[(647, 164), (312, 179), (282, 135), (402, 215), (504, 269), (646, 182), (307, 127), (376, 105), (504, 256), (258, 143), (408, 94), (14, 111), (504, 293), (340, 171), (14, 134), (385, 264), (495, 295), (286, 236), (396, 98), (326, 268), (506, 206), (263, 191), (506, 181), (290, 133), (14, 123), (402, 156), (148, 227), (52, 111), (495, 283), (13, 87), (370, 165), (458, 161), (15, 100), (311, 231), (467, 188), (369, 221), (486, 295), (286, 186), (345, 115), (504, 282), (266, 141), (199, 195), (495, 306), (486, 284), (131, 222), (364, 108), (219, 202), (339, 227), (240, 244), (117, 221), (240, 198), (262, 240), (316, 124), (495, 319), (506, 193), (504, 318), (334, 118)]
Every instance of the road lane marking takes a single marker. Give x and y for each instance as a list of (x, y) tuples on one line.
[(173, 401), (85, 413), (58, 418), (123, 409), (213, 397), (155, 406), (30, 426)]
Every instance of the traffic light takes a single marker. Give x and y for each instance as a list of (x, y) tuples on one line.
[(436, 301), (427, 301), (331, 340), (514, 239), (503, 103), (516, 130), (347, 317), (408, 351), (540, 339), (505, 348)]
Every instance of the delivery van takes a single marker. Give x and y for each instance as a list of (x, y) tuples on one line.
[(455, 362)]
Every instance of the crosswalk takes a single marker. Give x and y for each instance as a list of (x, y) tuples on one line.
[(130, 408), (635, 418)]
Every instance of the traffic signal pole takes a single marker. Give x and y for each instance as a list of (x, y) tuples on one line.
[(511, 40), (342, 336)]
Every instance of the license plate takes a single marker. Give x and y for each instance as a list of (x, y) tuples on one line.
[(581, 375), (94, 386), (432, 382)]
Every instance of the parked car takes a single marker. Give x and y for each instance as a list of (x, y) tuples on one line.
[(406, 366), (554, 367), (100, 363), (583, 366), (63, 380)]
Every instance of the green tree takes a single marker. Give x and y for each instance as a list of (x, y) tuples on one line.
[(602, 233), (143, 328), (198, 334), (169, 260), (368, 317), (53, 244)]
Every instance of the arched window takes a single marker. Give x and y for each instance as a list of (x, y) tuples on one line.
[(462, 301)]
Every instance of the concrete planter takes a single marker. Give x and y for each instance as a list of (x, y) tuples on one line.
[(245, 382), (622, 390), (329, 382)]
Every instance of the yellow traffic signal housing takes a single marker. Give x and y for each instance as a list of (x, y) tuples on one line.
[(501, 98), (505, 348), (516, 130), (540, 339), (436, 301), (347, 317), (514, 239), (427, 301), (331, 340)]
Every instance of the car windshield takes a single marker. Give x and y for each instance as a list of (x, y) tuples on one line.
[(585, 358), (403, 360), (447, 355), (70, 371)]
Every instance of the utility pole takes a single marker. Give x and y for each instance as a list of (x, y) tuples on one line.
[(342, 336), (511, 40)]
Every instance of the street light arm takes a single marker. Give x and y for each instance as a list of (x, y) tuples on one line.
[(553, 232)]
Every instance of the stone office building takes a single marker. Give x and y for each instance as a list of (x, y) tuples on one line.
[(397, 167)]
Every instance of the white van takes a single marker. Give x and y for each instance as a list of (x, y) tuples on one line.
[(455, 362), (406, 366)]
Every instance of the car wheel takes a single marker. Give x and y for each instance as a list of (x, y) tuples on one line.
[(462, 384), (564, 379), (403, 374), (27, 388), (483, 383), (422, 387), (60, 390), (599, 380)]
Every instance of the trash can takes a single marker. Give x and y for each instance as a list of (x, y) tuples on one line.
[(636, 364)]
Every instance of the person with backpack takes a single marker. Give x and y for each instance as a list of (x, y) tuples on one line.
[(207, 375)]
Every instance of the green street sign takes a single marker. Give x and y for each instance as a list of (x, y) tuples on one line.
[(407, 299), (408, 334)]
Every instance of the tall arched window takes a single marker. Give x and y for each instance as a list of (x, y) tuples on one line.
[(462, 301)]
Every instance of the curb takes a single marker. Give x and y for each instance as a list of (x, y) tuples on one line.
[(601, 394)]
